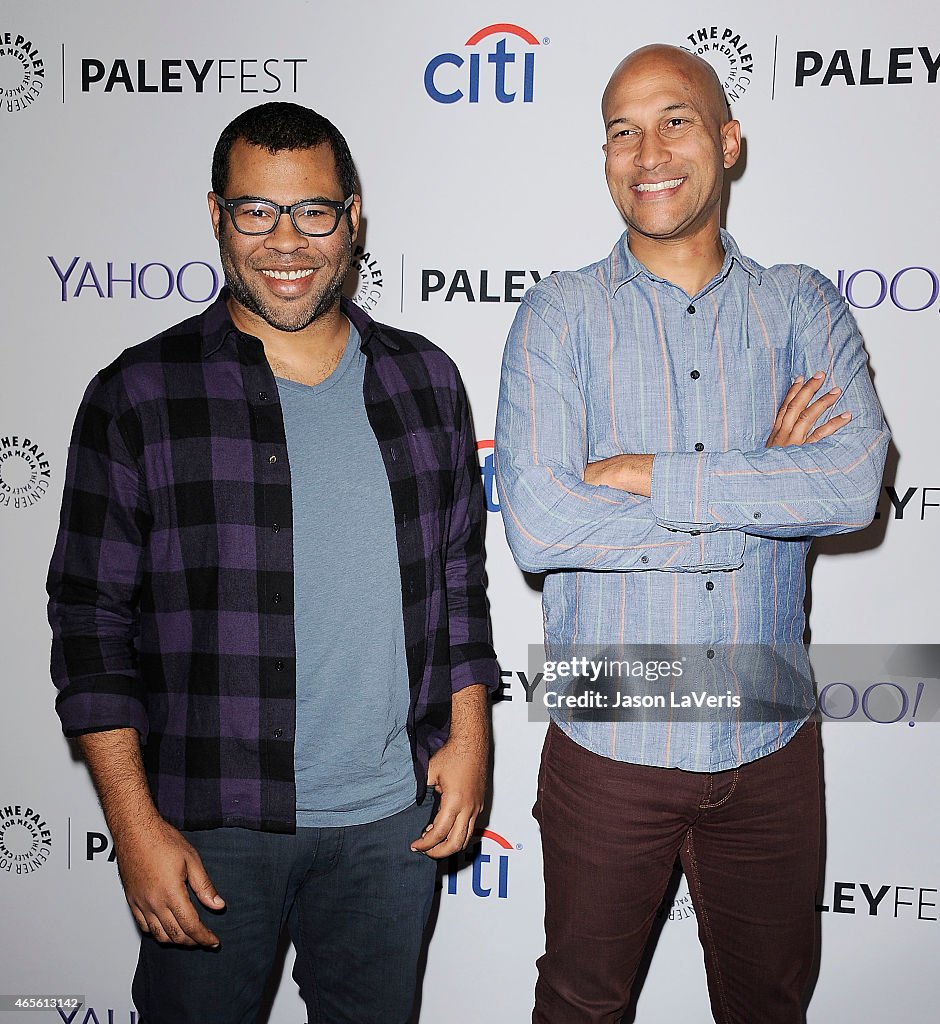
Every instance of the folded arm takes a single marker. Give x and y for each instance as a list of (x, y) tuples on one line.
[(826, 486), (554, 519)]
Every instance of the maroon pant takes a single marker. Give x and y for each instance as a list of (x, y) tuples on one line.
[(748, 840)]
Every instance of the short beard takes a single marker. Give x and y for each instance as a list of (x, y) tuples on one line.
[(240, 292)]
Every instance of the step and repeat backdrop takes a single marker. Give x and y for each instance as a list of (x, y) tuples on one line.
[(469, 123)]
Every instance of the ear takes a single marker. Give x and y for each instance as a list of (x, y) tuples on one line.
[(354, 211), (731, 142), (215, 213)]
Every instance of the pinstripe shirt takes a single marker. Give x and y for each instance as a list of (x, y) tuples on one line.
[(171, 584), (611, 359)]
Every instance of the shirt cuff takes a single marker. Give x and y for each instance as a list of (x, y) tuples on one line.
[(679, 491)]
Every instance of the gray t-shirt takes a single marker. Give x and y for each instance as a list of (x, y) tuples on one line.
[(352, 756)]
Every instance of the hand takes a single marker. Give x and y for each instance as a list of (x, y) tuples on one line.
[(798, 414), (458, 771), (156, 863)]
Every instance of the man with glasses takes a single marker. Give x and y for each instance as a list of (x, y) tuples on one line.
[(675, 423), (270, 630)]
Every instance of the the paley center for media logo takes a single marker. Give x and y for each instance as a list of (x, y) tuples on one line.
[(25, 473), (22, 72), (497, 63), (728, 52), (365, 280), (25, 839)]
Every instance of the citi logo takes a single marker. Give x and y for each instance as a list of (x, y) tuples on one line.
[(489, 872), (452, 77), (488, 472)]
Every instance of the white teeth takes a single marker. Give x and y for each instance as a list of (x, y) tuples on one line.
[(658, 186), (287, 275)]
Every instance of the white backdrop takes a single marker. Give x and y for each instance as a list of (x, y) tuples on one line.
[(108, 122)]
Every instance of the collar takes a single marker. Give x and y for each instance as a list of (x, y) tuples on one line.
[(623, 266), (217, 325)]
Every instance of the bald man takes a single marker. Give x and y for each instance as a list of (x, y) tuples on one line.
[(676, 423)]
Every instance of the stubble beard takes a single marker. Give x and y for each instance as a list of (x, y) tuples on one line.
[(296, 316)]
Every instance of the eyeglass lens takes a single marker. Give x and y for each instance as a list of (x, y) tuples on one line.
[(255, 217)]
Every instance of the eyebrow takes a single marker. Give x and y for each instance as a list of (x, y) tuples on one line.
[(666, 110), (265, 199)]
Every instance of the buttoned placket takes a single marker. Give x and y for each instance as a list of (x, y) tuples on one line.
[(275, 546), (691, 327)]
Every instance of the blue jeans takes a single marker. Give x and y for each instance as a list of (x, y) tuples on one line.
[(355, 901)]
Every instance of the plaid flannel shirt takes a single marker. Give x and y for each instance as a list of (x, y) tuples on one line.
[(171, 584)]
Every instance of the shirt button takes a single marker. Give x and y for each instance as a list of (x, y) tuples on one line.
[(757, 515), (709, 585), (699, 447), (279, 666), (695, 375), (691, 309), (278, 733), (645, 559), (276, 598), (694, 533), (272, 459), (275, 527), (263, 395), (709, 654)]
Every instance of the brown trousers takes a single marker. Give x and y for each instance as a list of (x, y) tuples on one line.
[(748, 840)]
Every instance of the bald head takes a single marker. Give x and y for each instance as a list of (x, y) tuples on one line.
[(697, 74)]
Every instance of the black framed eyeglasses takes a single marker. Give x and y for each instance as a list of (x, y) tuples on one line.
[(252, 215)]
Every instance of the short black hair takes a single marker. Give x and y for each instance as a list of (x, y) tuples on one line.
[(278, 126)]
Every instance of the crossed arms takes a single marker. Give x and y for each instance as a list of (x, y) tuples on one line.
[(681, 511)]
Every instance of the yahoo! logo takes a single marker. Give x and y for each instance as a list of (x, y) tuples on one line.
[(194, 281), (488, 876), (444, 84), (90, 1015), (488, 472), (912, 289), (884, 702)]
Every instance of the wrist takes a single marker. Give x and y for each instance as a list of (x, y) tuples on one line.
[(631, 473)]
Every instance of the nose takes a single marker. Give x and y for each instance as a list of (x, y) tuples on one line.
[(651, 152), (285, 237)]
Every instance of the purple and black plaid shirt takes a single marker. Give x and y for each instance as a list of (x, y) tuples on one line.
[(171, 584)]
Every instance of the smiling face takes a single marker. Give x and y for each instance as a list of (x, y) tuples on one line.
[(669, 139), (286, 279)]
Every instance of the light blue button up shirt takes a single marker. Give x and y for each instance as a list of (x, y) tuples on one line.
[(612, 359)]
